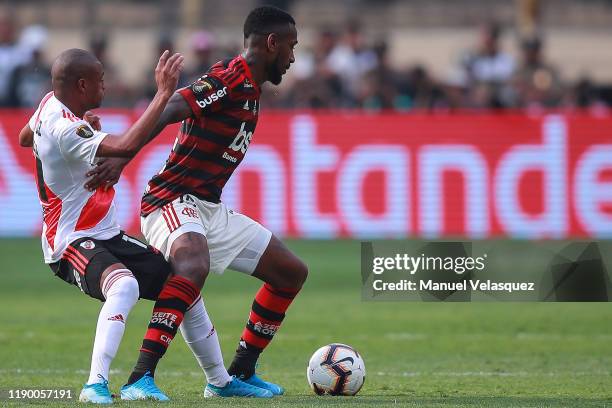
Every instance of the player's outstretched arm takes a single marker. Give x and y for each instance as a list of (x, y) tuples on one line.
[(166, 76), (107, 172), (177, 110)]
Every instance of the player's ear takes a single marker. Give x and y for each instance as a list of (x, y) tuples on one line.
[(81, 85), (272, 42)]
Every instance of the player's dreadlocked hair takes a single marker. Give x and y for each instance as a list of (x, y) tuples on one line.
[(265, 20)]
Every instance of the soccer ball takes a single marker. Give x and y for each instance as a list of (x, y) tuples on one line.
[(336, 369)]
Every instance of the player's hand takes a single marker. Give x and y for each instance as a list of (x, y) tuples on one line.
[(167, 72), (106, 173), (93, 120)]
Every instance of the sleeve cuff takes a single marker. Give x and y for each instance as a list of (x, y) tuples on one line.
[(100, 136)]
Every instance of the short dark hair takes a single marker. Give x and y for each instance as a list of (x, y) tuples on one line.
[(265, 19)]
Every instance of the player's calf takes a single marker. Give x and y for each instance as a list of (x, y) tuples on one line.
[(284, 274), (189, 260), (120, 291)]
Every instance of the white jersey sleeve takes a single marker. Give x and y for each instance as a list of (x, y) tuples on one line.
[(32, 121), (79, 141)]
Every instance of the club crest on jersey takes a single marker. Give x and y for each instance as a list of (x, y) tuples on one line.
[(202, 85), (84, 131), (88, 244)]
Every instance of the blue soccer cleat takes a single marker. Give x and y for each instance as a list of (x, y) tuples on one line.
[(96, 393), (143, 389), (236, 388), (258, 382)]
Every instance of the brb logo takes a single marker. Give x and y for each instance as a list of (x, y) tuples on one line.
[(242, 140)]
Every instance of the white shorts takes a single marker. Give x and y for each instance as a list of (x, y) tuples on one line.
[(235, 241)]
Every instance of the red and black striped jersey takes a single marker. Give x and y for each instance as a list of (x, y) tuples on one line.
[(213, 141)]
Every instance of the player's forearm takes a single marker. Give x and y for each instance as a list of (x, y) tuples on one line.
[(137, 135), (163, 121), (175, 111)]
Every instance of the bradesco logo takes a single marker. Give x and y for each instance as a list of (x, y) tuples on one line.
[(212, 97)]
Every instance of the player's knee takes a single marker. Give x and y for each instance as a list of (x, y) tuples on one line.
[(294, 274), (300, 273), (192, 266), (125, 287)]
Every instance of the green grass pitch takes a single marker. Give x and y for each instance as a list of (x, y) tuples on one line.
[(416, 354)]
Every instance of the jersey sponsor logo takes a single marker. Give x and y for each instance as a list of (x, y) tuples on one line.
[(189, 212), (242, 140), (212, 97), (229, 157), (117, 318), (88, 244), (165, 318), (84, 131)]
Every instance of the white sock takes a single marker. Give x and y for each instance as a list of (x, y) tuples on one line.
[(201, 337), (121, 292)]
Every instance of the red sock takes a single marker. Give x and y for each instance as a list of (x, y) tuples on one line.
[(267, 313), (176, 296)]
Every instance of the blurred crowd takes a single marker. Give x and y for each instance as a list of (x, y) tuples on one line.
[(343, 69)]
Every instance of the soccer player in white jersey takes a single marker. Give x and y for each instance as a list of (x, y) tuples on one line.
[(81, 239)]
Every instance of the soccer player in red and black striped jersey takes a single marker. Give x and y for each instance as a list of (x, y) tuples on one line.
[(182, 212)]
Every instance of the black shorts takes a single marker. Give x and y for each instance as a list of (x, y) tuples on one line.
[(85, 260)]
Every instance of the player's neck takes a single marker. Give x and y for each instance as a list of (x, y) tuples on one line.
[(255, 63), (75, 107)]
